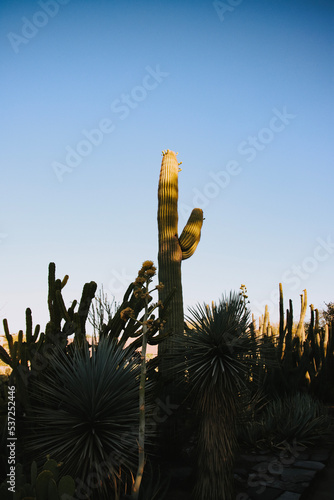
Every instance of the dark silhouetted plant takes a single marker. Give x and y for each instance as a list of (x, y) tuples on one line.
[(85, 412), (217, 346), (294, 360), (29, 354), (42, 485), (293, 418), (142, 282), (328, 313)]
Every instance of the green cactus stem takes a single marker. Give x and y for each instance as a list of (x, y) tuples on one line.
[(74, 321), (300, 333), (281, 322), (43, 486), (172, 250)]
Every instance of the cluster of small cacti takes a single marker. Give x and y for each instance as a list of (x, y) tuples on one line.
[(20, 351), (75, 321), (296, 358), (24, 353), (45, 485)]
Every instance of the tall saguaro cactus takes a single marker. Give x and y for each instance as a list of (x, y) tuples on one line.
[(172, 250)]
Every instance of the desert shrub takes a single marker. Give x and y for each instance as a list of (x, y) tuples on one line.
[(294, 418)]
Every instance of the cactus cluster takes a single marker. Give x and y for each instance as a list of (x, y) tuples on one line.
[(29, 354), (296, 358), (23, 353), (75, 321), (45, 485), (173, 249)]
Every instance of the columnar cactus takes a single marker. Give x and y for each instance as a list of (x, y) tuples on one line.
[(26, 355), (74, 321), (173, 249), (300, 360)]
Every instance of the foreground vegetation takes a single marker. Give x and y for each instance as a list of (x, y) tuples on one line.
[(77, 401), (96, 420)]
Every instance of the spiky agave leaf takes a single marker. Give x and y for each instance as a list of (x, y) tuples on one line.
[(85, 411), (217, 341)]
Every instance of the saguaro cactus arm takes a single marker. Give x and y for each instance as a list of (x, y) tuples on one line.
[(191, 233)]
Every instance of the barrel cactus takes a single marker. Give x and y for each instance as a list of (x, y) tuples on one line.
[(172, 250)]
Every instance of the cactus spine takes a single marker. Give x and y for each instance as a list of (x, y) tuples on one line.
[(173, 249)]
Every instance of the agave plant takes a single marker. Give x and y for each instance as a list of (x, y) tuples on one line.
[(297, 417), (85, 414), (216, 344)]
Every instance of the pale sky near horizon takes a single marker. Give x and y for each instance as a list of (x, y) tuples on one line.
[(93, 91)]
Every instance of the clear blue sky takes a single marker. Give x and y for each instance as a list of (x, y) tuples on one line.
[(243, 91)]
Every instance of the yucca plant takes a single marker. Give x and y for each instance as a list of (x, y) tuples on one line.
[(217, 346), (85, 414)]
